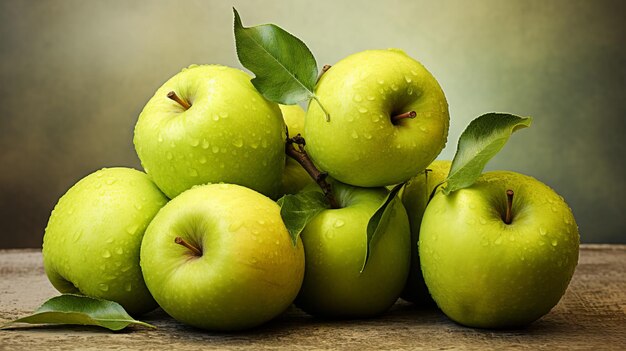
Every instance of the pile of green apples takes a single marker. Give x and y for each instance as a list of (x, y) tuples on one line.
[(200, 233)]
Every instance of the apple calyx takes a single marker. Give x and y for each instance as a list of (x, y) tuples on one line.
[(324, 69), (300, 155), (509, 203), (195, 250), (172, 95), (395, 119)]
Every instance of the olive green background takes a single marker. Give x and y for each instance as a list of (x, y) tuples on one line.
[(75, 75)]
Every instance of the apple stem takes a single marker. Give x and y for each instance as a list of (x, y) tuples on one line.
[(172, 95), (324, 69), (300, 155), (181, 241), (509, 204), (395, 119)]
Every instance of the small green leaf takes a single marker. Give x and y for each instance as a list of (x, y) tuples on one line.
[(285, 69), (79, 310), (483, 138), (299, 209), (379, 221)]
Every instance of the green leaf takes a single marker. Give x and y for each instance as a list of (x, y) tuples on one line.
[(80, 310), (379, 221), (299, 209), (285, 69), (483, 138)]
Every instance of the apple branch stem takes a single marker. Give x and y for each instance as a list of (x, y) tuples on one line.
[(172, 95), (324, 69), (181, 241), (300, 155), (509, 204), (395, 119)]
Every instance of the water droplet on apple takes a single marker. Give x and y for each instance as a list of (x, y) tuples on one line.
[(99, 174), (357, 98), (339, 223), (103, 287), (394, 87), (554, 209), (160, 138), (132, 229), (215, 117), (205, 144), (423, 129), (566, 220), (106, 254), (109, 240), (354, 134), (413, 72), (126, 269), (498, 240), (482, 221), (238, 142), (202, 160), (362, 109), (169, 155), (77, 235), (110, 181), (234, 226), (128, 286), (554, 242), (119, 251), (329, 234), (223, 114), (381, 81), (215, 149), (408, 79), (371, 97), (376, 118), (512, 237), (264, 143), (542, 231), (484, 241), (367, 136), (350, 118)]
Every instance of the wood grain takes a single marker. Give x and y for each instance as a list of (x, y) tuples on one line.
[(591, 315)]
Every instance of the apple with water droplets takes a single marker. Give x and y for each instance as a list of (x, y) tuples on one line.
[(415, 197), (92, 240), (219, 257), (208, 124), (335, 245), (500, 253), (387, 119)]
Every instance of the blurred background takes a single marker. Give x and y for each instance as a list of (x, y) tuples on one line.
[(76, 74)]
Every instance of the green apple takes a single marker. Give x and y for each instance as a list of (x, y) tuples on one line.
[(369, 139), (415, 196), (335, 242), (220, 130), (219, 257), (295, 178), (91, 244), (483, 272)]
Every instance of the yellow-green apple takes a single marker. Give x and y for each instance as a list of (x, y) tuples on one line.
[(499, 253), (388, 119), (208, 124), (415, 196), (335, 243), (92, 241), (295, 178), (219, 257)]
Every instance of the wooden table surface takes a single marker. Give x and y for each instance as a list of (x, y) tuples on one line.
[(591, 315)]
